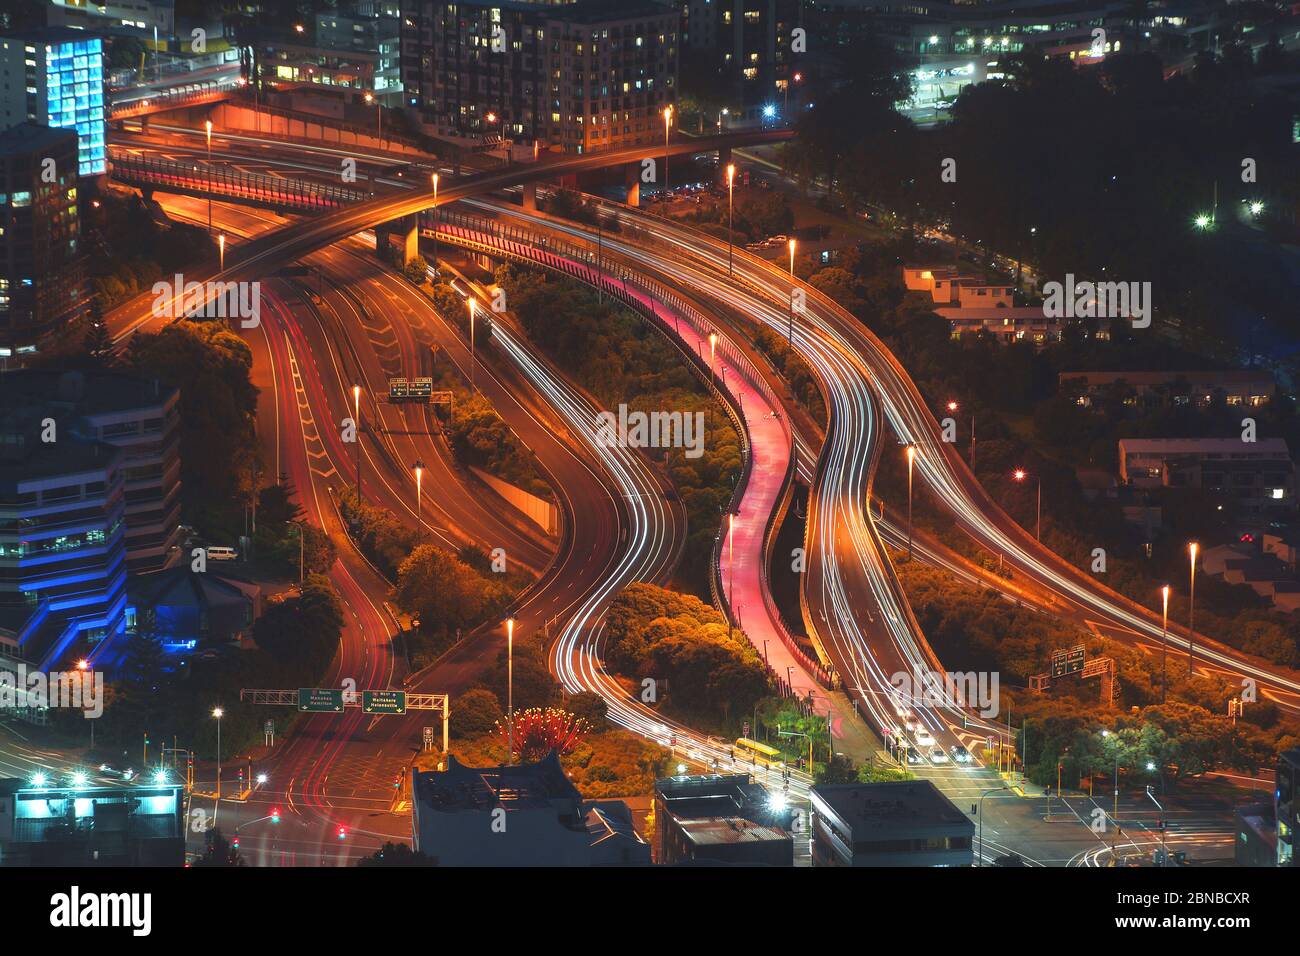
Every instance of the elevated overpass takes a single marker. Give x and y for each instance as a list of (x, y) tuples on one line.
[(270, 250)]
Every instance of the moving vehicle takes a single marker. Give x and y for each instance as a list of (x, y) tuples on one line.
[(222, 553), (757, 753), (938, 755), (960, 754), (923, 737)]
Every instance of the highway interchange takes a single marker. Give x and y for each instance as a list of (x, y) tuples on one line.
[(360, 324)]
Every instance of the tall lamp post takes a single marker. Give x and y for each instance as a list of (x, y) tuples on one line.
[(668, 119), (713, 348), (217, 712), (911, 458), (1020, 475), (510, 690), (1164, 642), (473, 360), (208, 126), (731, 184), (221, 251), (790, 337), (419, 501), (1192, 550), (435, 223), (356, 420)]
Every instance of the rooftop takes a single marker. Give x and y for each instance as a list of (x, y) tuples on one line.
[(519, 787), (730, 830), (89, 392), (1264, 447), (877, 806), (25, 138)]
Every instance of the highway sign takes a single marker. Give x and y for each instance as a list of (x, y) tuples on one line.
[(383, 701), (1069, 662), (399, 389), (320, 700)]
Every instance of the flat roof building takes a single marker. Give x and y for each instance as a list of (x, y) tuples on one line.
[(1255, 478), (1234, 387), (521, 815), (909, 823), (720, 819)]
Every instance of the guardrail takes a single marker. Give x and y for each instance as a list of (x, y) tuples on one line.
[(571, 259), (209, 91), (224, 183)]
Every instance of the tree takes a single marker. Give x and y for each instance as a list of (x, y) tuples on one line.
[(443, 591), (416, 270), (476, 714), (210, 366), (840, 769)]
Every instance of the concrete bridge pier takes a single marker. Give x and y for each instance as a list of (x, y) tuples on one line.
[(632, 180), (407, 229), (530, 196)]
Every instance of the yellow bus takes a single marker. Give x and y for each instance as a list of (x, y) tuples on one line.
[(757, 753)]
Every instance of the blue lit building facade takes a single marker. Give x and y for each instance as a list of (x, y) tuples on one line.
[(55, 77), (62, 542)]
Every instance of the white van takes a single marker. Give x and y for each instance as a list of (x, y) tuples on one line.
[(222, 554)]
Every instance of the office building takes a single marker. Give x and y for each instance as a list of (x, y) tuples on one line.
[(142, 418), (907, 823), (747, 46), (62, 539), (55, 77), (1286, 806), (593, 74), (42, 281), (116, 17), (355, 48), (720, 819), (1253, 478), (523, 815), (88, 825)]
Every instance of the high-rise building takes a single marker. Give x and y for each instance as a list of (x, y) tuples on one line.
[(42, 284), (1286, 803), (356, 47), (592, 74), (55, 77), (746, 49)]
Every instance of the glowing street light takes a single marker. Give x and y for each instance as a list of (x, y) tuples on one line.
[(419, 482), (1192, 549), (38, 779), (221, 248), (713, 348), (79, 778), (510, 690), (790, 330), (435, 222), (473, 309), (1164, 641), (731, 184), (356, 421), (1256, 208), (1020, 475), (160, 775), (208, 126), (911, 459), (1203, 221), (668, 120), (217, 713)]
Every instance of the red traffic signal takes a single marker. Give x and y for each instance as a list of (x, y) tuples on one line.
[(343, 833), (275, 815)]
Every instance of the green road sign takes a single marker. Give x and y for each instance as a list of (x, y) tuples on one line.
[(383, 701), (321, 700)]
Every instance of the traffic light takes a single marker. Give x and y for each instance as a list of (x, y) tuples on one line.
[(343, 834), (275, 814), (234, 844)]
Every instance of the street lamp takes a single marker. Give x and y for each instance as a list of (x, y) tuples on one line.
[(1192, 550), (419, 479), (435, 223), (731, 183), (208, 125), (1115, 813), (1164, 642), (713, 348), (1020, 475), (510, 690), (356, 421), (790, 337), (668, 118), (911, 458), (380, 109), (473, 310), (221, 248), (217, 712)]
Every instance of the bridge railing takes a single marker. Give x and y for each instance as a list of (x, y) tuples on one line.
[(208, 91), (230, 183)]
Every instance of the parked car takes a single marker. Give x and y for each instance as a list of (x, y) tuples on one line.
[(960, 754)]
